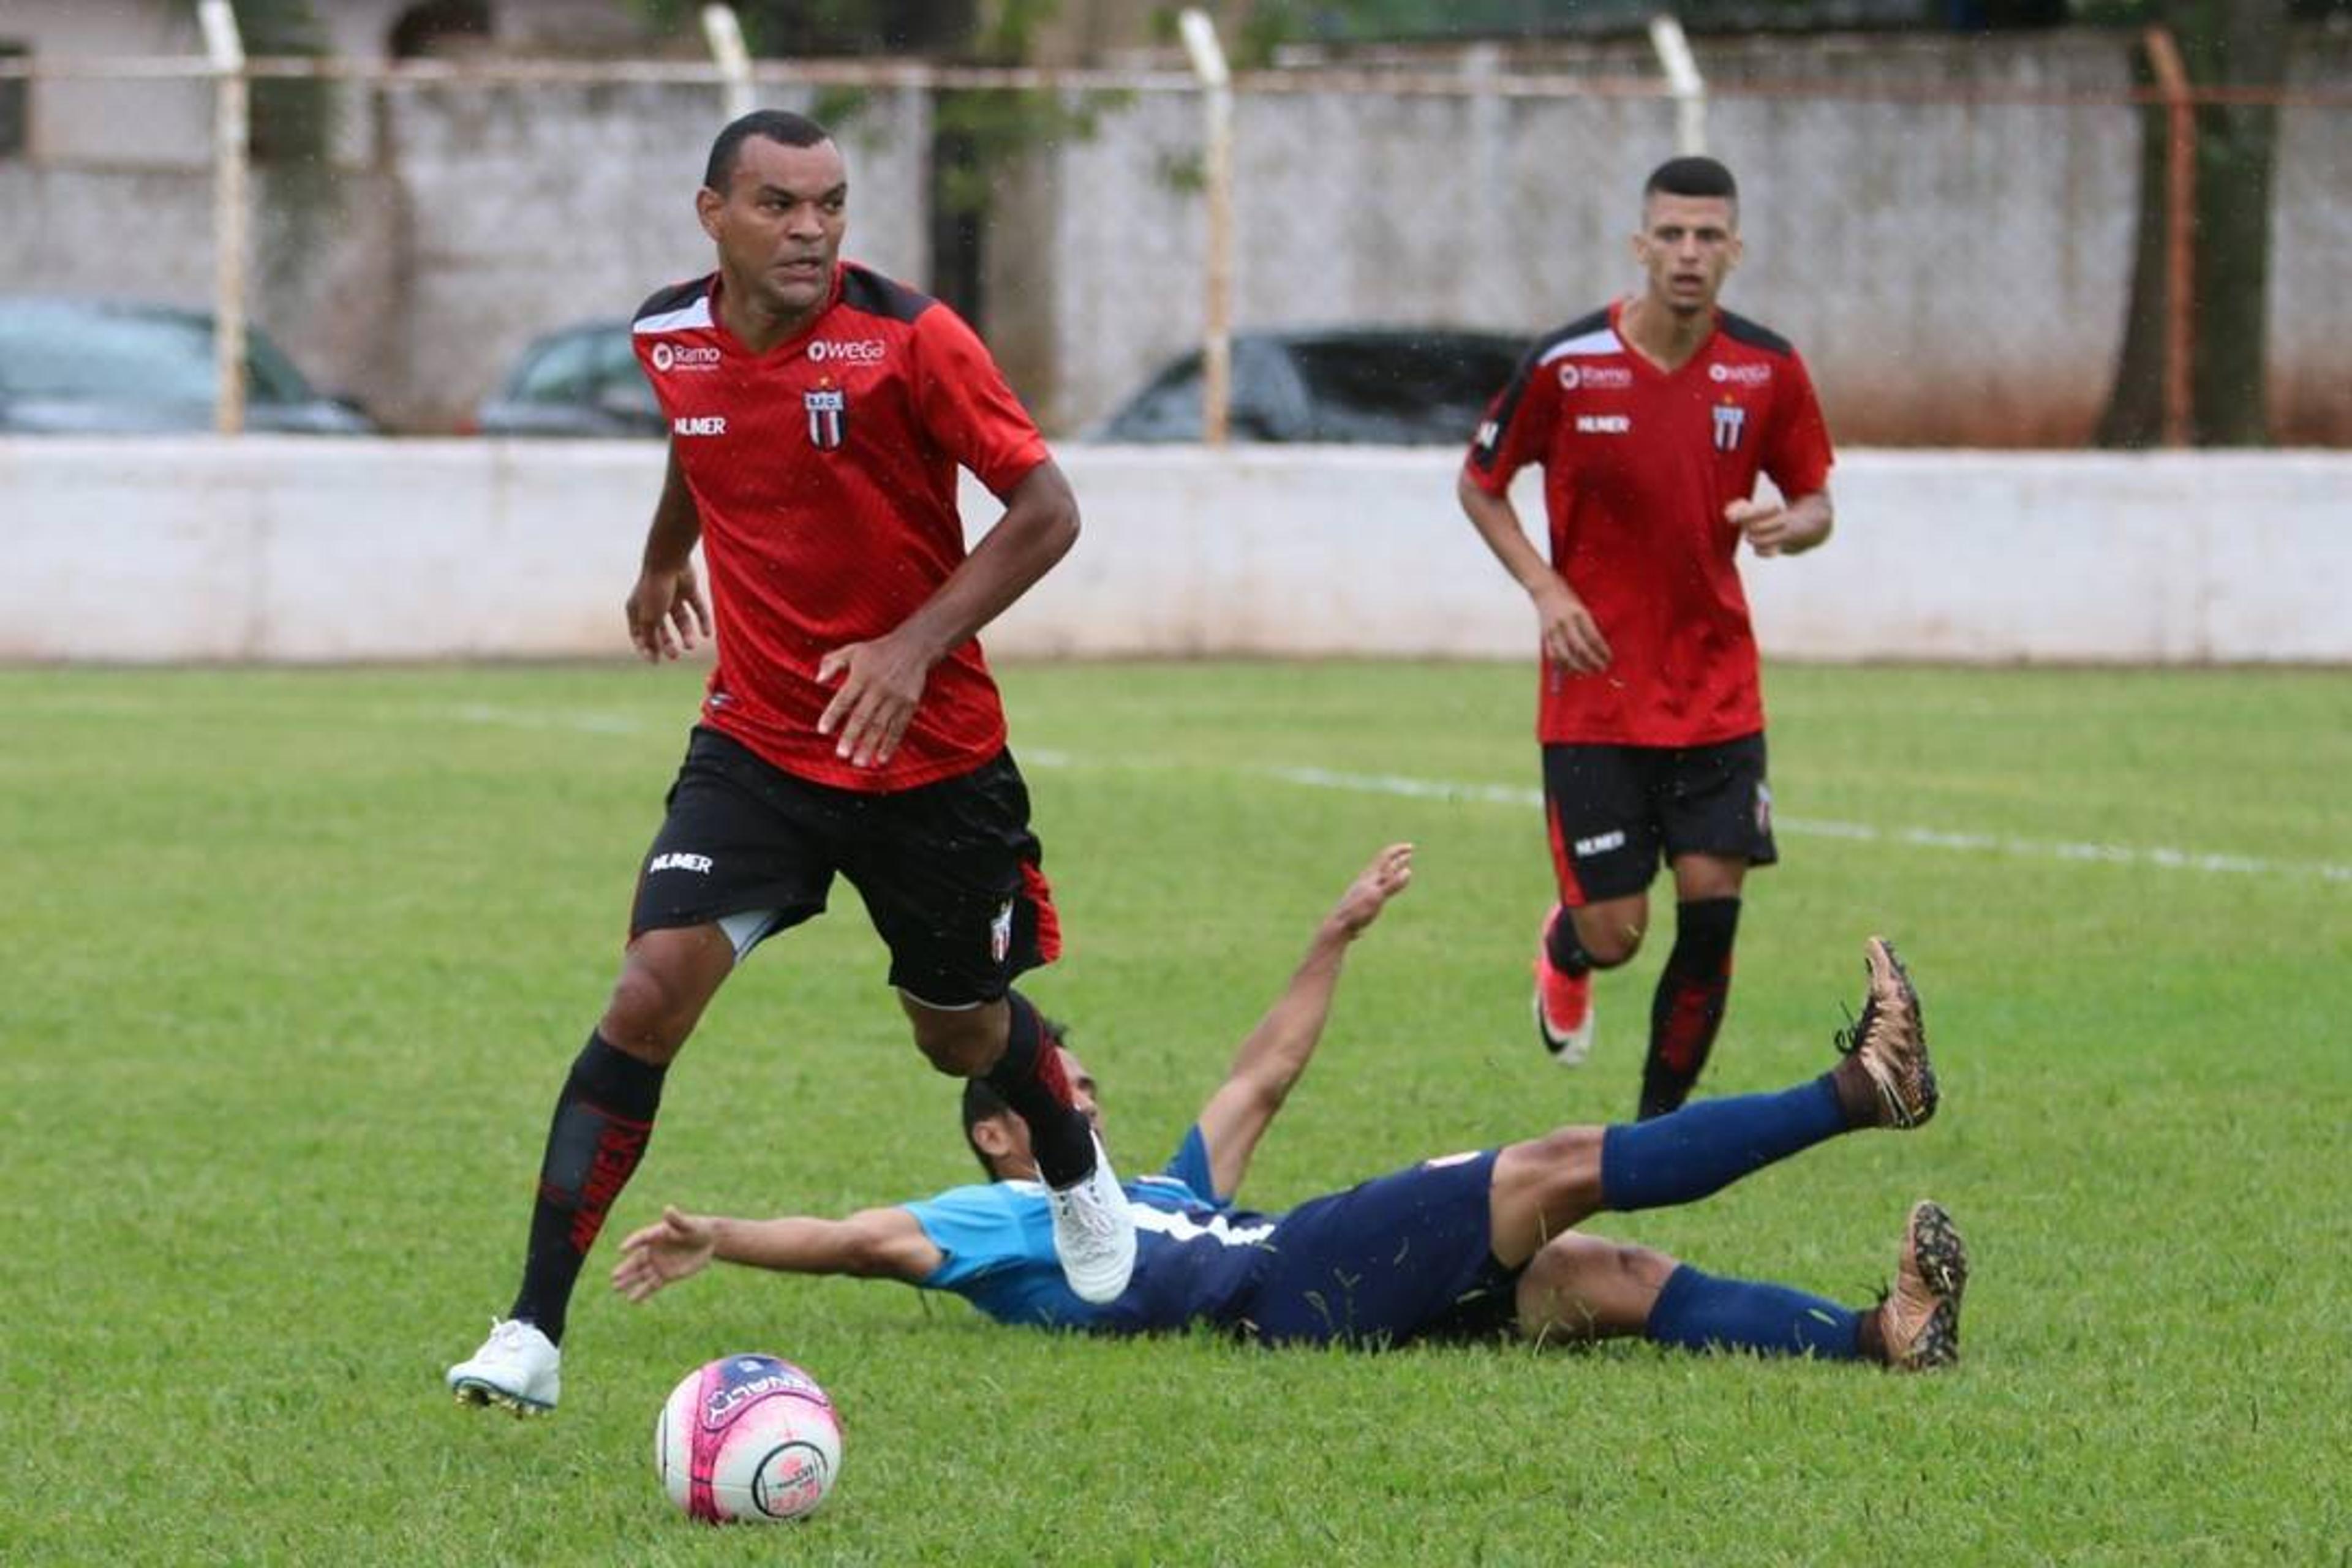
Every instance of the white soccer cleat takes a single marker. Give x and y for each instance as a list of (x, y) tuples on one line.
[(1094, 1234), (517, 1368)]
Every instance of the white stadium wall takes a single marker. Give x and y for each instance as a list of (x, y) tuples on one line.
[(284, 549)]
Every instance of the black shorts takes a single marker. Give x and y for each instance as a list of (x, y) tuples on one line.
[(1615, 812), (1403, 1258), (949, 871)]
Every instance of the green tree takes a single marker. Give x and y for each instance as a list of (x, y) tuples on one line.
[(2225, 43)]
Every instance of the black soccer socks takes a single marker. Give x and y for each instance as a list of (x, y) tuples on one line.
[(603, 1121)]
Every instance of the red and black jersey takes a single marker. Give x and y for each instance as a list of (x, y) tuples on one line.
[(1639, 464), (824, 473)]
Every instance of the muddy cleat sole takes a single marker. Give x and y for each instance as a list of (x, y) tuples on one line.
[(1889, 1042), (1920, 1318)]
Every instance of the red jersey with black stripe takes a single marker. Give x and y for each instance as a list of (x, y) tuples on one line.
[(1639, 464), (825, 474)]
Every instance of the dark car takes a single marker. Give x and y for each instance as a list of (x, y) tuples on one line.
[(1381, 386), (96, 366), (582, 380)]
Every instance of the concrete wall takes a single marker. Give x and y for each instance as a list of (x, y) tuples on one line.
[(283, 549), (1956, 273)]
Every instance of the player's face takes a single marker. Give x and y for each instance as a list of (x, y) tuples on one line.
[(1687, 245), (778, 224)]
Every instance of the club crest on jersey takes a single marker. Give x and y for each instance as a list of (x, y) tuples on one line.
[(828, 415), (1730, 420)]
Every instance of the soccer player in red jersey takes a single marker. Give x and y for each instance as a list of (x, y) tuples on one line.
[(819, 413), (1651, 419)]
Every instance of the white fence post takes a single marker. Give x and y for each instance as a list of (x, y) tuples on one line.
[(1208, 56), (724, 33), (1684, 81), (226, 49)]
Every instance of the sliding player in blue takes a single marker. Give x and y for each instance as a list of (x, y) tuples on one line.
[(1466, 1245)]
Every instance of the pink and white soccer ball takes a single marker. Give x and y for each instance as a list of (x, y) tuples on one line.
[(748, 1438)]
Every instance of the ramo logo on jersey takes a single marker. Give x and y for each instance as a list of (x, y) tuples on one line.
[(828, 415), (668, 357), (1615, 377)]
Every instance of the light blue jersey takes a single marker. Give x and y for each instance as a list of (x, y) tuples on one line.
[(1195, 1254)]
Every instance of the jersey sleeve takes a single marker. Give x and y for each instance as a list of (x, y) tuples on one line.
[(1517, 421), (1797, 456), (1189, 1169), (979, 1231), (968, 407)]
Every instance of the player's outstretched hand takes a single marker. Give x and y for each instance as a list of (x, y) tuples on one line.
[(881, 682), (679, 1247), (1390, 873), (667, 612)]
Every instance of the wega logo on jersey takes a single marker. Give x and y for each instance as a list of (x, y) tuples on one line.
[(1609, 377), (1604, 424), (699, 425), (668, 357), (847, 350), (1740, 375)]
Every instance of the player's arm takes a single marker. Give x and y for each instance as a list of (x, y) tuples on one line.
[(882, 681), (871, 1244), (1571, 635), (666, 610), (1271, 1060)]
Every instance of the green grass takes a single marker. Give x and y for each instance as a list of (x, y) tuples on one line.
[(295, 961)]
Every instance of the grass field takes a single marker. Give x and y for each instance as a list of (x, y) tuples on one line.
[(295, 961)]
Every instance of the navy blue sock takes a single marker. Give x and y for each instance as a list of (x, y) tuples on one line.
[(1699, 1311), (1704, 1148), (602, 1120)]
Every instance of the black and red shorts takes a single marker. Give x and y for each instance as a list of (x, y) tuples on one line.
[(1615, 812), (948, 871)]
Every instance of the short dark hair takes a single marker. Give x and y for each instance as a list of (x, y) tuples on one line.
[(769, 124), (982, 1103), (1691, 177)]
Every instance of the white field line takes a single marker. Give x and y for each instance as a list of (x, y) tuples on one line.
[(2160, 857), (1926, 837)]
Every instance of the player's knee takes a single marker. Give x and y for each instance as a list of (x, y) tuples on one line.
[(650, 1014), (960, 1044), (1611, 945)]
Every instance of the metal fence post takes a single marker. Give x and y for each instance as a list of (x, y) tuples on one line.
[(1208, 56), (724, 33), (2180, 232), (1683, 79), (225, 50)]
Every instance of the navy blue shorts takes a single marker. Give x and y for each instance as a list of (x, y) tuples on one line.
[(1400, 1258), (949, 871)]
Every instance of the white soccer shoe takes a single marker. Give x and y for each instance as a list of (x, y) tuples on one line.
[(1094, 1234), (517, 1368)]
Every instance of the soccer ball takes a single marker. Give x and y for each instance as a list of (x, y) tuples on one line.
[(748, 1438)]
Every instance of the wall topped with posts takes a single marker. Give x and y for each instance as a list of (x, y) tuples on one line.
[(272, 549)]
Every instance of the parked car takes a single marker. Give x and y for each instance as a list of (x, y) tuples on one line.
[(98, 366), (1388, 385), (581, 380)]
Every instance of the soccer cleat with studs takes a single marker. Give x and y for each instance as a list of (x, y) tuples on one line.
[(1094, 1232), (1563, 1003), (1889, 1042), (1919, 1318), (516, 1369)]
